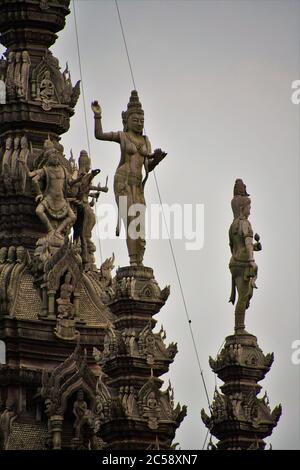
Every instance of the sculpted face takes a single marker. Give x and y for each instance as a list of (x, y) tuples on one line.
[(135, 123), (84, 162), (25, 56), (24, 143), (11, 56), (11, 254), (53, 159), (8, 143), (3, 254), (16, 142), (21, 253)]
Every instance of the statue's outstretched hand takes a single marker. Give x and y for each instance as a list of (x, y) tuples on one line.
[(96, 108), (159, 154), (257, 246)]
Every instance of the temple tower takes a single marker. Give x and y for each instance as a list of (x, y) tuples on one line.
[(134, 358), (239, 419)]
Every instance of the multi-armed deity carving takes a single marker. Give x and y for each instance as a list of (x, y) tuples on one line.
[(242, 264), (86, 219), (62, 199), (129, 183)]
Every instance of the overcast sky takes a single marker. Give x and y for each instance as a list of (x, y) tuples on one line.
[(214, 78)]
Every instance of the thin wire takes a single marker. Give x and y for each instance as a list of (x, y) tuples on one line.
[(205, 440), (125, 44), (85, 118), (169, 238), (182, 292), (81, 77)]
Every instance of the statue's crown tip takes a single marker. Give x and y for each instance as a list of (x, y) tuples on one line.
[(240, 188)]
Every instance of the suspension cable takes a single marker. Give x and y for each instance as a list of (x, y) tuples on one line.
[(169, 238), (205, 440), (85, 118)]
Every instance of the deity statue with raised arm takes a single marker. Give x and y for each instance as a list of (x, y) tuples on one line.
[(242, 265), (129, 183)]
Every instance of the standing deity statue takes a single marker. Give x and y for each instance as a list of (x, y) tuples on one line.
[(68, 88), (82, 414), (242, 265), (10, 84), (23, 90), (7, 155), (129, 183), (74, 169), (53, 208), (22, 163), (17, 73), (2, 90), (3, 256), (85, 215), (15, 156)]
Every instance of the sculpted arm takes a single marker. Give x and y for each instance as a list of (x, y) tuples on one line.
[(249, 247), (36, 176), (99, 134), (248, 236)]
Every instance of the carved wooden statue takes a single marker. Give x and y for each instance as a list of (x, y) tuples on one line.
[(81, 412), (135, 155), (22, 163), (65, 306), (242, 265), (2, 90), (53, 208), (85, 215), (7, 155)]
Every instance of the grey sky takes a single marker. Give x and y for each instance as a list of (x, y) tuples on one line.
[(214, 78)]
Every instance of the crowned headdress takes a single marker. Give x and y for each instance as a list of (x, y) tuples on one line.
[(134, 106), (240, 198)]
